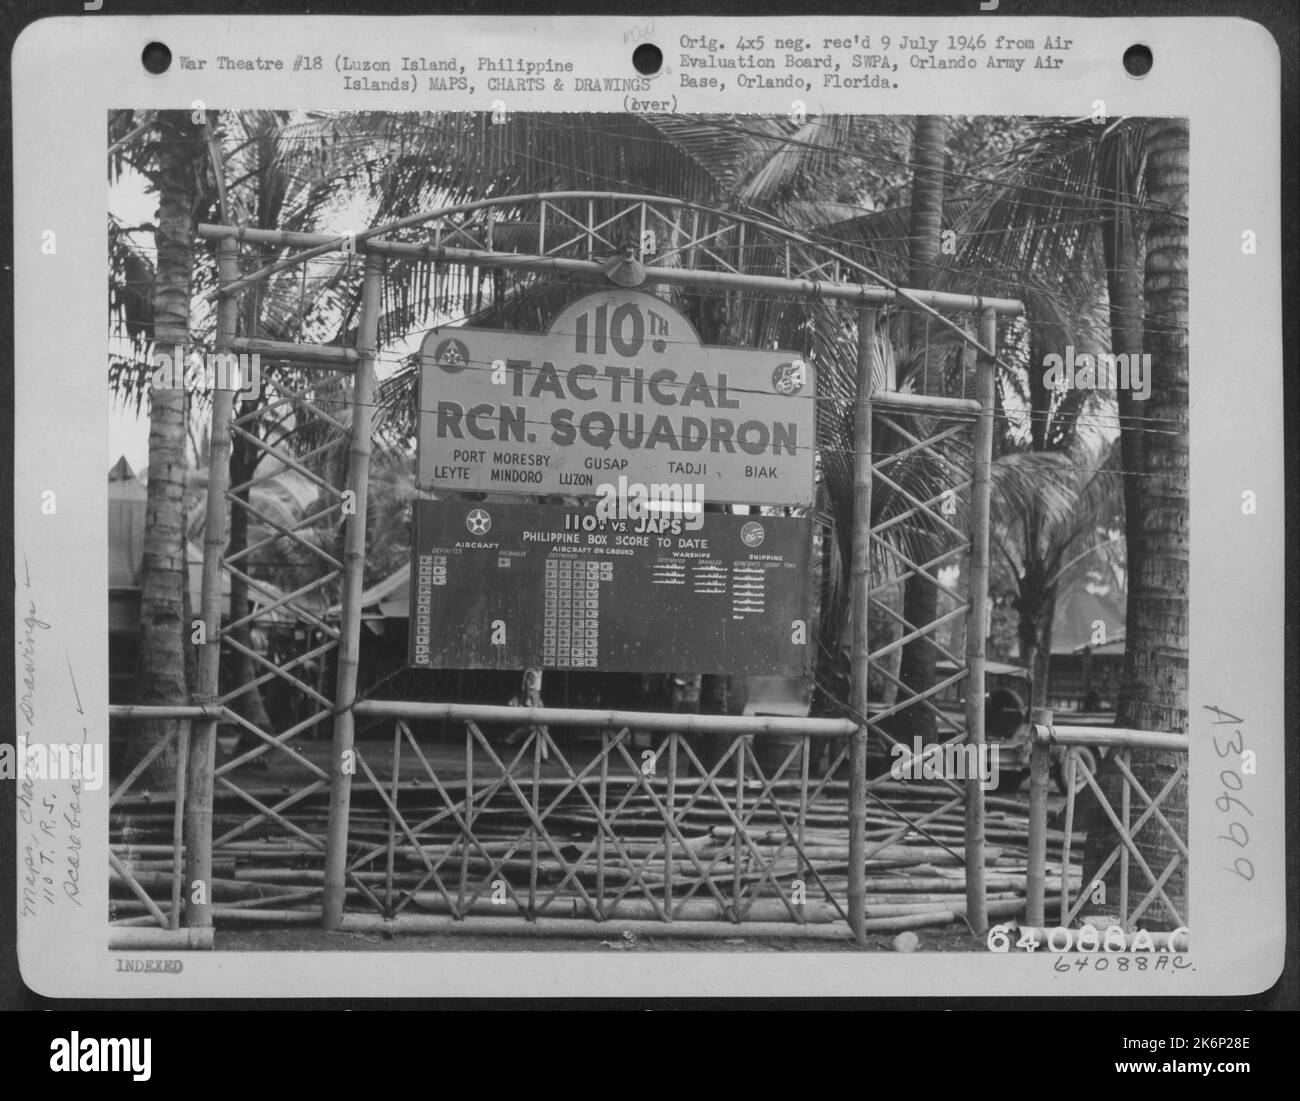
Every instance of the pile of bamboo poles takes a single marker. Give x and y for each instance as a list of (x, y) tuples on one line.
[(784, 867)]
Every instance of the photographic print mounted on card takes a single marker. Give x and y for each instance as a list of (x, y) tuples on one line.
[(773, 505)]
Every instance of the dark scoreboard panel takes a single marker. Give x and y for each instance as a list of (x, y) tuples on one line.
[(513, 586)]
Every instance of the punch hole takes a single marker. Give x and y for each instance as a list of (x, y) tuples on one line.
[(1137, 60), (156, 58), (647, 59)]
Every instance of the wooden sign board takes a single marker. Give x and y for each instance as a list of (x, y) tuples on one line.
[(620, 384), (514, 586)]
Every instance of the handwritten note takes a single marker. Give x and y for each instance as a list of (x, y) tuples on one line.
[(52, 777)]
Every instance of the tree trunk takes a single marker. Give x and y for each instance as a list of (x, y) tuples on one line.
[(1153, 690), (720, 694), (1122, 250), (929, 151), (920, 597), (1036, 601), (164, 634), (1036, 605)]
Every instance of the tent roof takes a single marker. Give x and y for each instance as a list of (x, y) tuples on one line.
[(123, 483), (1077, 610), (125, 542), (126, 518), (386, 599)]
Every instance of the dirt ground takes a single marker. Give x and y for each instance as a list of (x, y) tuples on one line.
[(949, 938)]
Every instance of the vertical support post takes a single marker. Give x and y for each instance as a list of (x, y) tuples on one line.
[(671, 803), (860, 586), (605, 744), (1067, 842), (737, 848), (976, 619), (1040, 754), (1126, 823), (534, 837), (202, 762), (468, 839), (390, 858), (178, 819), (805, 763), (354, 561)]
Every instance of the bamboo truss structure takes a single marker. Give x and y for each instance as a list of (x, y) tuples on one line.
[(737, 844), (1120, 744)]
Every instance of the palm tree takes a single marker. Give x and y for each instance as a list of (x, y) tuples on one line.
[(1074, 205), (1056, 497), (267, 175), (920, 597), (1153, 690), (169, 150), (1062, 511), (1083, 196)]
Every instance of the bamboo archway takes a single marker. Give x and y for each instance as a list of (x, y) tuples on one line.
[(572, 233)]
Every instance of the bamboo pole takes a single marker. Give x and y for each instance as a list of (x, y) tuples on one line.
[(183, 711), (145, 938), (764, 910), (202, 763), (924, 403), (219, 867), (227, 915), (217, 887), (493, 714), (178, 821), (576, 928), (1039, 760), (801, 825), (860, 582), (467, 834), (1099, 737), (1125, 809), (325, 356), (391, 853), (737, 851), (354, 559), (573, 908), (320, 244), (670, 801), (535, 802), (982, 458), (1068, 842)]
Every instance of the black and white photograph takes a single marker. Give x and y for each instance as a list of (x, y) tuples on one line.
[(664, 506), (731, 452)]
